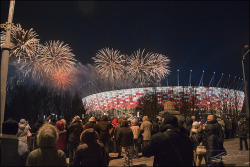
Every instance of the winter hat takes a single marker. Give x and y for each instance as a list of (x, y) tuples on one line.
[(60, 125), (104, 118), (92, 119), (47, 136), (64, 121), (22, 121), (88, 136), (134, 121), (170, 119), (196, 124), (145, 118)]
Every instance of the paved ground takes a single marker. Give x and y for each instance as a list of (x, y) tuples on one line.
[(235, 157)]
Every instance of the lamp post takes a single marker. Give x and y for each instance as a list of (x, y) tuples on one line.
[(5, 60), (244, 80)]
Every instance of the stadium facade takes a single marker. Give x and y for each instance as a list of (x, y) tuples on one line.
[(203, 98)]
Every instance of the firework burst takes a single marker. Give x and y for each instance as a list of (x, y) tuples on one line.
[(159, 66), (109, 63), (139, 66), (57, 56), (35, 67), (24, 44), (62, 80)]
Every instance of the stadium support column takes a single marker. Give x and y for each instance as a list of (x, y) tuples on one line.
[(5, 60), (244, 80)]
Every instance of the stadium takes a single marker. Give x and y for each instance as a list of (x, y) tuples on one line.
[(222, 98)]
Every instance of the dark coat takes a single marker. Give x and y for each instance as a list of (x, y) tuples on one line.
[(91, 154), (189, 122), (13, 152), (125, 136), (218, 131), (61, 142), (102, 129), (36, 127), (74, 131), (211, 140), (117, 128), (242, 130), (170, 148)]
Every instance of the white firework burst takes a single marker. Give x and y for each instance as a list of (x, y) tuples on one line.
[(35, 67), (24, 44), (109, 63), (159, 67), (140, 66), (55, 55)]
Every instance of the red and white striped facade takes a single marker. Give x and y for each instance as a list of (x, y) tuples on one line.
[(203, 97)]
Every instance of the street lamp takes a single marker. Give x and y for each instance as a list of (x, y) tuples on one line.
[(5, 59), (244, 80)]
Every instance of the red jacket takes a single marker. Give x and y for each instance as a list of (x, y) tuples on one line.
[(61, 142)]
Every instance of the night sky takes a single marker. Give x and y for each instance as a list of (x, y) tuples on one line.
[(194, 35)]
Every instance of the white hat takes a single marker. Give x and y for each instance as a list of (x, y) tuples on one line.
[(195, 123)]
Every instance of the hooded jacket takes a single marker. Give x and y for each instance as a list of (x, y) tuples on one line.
[(47, 154), (135, 128), (146, 128), (211, 140), (125, 135), (242, 130), (103, 128), (61, 142), (170, 148), (218, 130), (90, 152), (74, 130)]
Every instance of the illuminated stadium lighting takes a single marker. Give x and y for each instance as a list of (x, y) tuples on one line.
[(205, 97), (222, 97)]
